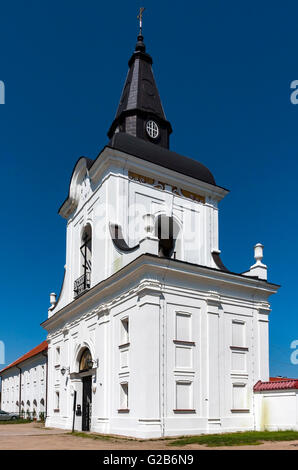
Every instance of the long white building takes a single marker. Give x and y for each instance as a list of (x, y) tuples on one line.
[(24, 384)]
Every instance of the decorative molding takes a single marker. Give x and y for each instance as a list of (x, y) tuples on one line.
[(183, 374), (149, 287), (163, 186), (126, 345), (240, 411), (70, 316), (213, 299), (184, 411), (85, 187), (102, 311), (264, 308), (186, 343)]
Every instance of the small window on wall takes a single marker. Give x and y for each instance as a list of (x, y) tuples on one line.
[(183, 327), (123, 397), (124, 330), (238, 333), (57, 401), (239, 398)]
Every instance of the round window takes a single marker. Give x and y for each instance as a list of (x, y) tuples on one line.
[(152, 129)]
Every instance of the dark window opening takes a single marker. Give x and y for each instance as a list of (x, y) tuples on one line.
[(167, 232)]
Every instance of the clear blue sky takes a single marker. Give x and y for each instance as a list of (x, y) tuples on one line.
[(224, 71)]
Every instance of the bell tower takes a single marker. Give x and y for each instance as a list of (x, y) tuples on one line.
[(140, 112)]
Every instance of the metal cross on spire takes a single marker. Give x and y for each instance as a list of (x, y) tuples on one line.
[(140, 17)]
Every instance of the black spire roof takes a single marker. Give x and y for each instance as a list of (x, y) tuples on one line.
[(140, 102)]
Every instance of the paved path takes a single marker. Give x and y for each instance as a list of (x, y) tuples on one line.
[(27, 429), (35, 437)]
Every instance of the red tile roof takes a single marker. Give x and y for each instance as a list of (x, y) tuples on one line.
[(283, 384), (279, 379), (37, 350)]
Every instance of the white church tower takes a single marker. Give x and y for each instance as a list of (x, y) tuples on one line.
[(151, 334)]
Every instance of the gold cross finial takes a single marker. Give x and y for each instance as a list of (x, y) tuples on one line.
[(140, 17)]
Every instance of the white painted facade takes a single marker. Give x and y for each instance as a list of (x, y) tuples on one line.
[(145, 340), (277, 410), (31, 376), (197, 340)]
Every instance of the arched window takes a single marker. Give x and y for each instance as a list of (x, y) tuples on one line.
[(84, 281), (86, 362), (86, 250), (167, 232)]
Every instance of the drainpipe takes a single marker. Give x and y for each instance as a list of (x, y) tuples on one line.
[(46, 356), (20, 390), (162, 361), (163, 397)]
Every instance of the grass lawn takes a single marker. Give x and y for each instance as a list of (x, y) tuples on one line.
[(236, 438), (104, 437), (210, 440)]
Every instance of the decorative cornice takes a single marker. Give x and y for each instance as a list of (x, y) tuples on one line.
[(65, 331), (164, 186), (103, 310), (264, 308), (213, 299), (149, 287), (148, 269)]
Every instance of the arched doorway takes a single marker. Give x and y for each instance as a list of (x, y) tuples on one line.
[(85, 367)]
